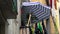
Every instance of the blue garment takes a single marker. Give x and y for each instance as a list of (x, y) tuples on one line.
[(37, 10)]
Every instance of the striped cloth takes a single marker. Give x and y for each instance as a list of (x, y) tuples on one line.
[(37, 10)]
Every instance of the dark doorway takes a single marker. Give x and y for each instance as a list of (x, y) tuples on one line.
[(2, 28), (2, 25)]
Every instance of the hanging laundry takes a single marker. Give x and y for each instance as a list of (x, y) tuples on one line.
[(14, 4), (40, 27), (33, 28), (36, 9), (55, 4), (37, 31), (44, 28)]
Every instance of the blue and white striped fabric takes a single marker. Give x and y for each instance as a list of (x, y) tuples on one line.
[(36, 9)]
